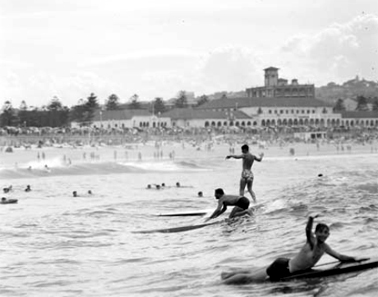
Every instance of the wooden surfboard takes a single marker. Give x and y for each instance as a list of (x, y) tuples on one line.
[(186, 213), (201, 212), (341, 268), (178, 229)]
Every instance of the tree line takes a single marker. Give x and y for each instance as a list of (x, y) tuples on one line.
[(55, 114)]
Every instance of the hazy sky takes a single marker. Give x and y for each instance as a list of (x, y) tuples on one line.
[(70, 48)]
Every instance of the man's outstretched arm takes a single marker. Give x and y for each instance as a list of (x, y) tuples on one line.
[(341, 257), (235, 156), (259, 159)]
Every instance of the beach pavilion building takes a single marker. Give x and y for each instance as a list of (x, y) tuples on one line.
[(127, 119), (288, 111), (196, 118)]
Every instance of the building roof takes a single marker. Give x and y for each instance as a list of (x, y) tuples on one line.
[(271, 68), (191, 114), (359, 114), (124, 114), (226, 103)]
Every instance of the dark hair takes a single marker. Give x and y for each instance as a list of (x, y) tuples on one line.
[(219, 191), (320, 227), (245, 147)]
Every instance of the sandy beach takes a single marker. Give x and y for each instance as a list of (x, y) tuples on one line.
[(58, 155)]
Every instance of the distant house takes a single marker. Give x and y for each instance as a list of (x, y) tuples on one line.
[(350, 104)]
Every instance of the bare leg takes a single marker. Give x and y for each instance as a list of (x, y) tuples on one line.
[(244, 277), (253, 195), (234, 211), (225, 275), (238, 212), (242, 187)]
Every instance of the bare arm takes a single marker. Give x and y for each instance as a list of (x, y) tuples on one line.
[(259, 159), (235, 156), (337, 255), (218, 211), (310, 237)]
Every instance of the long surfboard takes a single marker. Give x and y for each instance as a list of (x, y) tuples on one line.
[(201, 212), (178, 229), (341, 268), (186, 213)]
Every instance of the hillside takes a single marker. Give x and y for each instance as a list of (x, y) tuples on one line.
[(349, 89), (329, 93)]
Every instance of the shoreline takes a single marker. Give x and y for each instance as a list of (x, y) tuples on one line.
[(169, 151)]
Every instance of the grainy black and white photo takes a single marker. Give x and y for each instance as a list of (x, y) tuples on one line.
[(188, 148)]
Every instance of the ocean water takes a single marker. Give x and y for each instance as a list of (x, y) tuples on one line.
[(53, 244)]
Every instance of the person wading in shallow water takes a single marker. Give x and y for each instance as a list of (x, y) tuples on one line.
[(247, 175)]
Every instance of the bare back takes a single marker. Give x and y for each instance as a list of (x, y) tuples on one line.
[(227, 200), (248, 160)]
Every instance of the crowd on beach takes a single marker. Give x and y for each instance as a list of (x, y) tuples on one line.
[(27, 136)]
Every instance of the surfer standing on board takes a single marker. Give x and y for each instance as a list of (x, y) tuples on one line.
[(307, 257), (247, 175), (240, 204)]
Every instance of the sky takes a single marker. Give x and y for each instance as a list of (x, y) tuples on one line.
[(71, 48)]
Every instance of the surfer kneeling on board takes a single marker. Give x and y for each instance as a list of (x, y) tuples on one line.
[(307, 257), (240, 204)]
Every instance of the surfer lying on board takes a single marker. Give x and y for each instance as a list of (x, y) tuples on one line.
[(247, 175), (241, 205), (307, 257)]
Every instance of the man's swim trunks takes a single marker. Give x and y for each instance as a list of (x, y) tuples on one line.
[(278, 269), (247, 175), (243, 203)]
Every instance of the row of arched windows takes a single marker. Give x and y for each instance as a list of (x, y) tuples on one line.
[(295, 122), (141, 125), (292, 111), (229, 123), (154, 124), (268, 122)]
